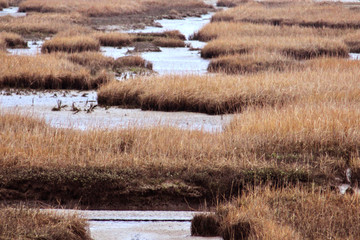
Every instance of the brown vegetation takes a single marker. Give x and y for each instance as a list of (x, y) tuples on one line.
[(132, 61), (290, 214), (106, 8), (304, 47), (243, 29), (46, 72), (251, 63), (3, 4), (25, 223), (227, 94), (94, 61), (13, 40), (169, 42), (115, 39), (70, 44), (40, 25), (174, 34), (303, 14)]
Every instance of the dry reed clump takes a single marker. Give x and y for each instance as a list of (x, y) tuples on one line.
[(114, 39), (13, 40), (25, 223), (132, 61), (219, 94), (251, 63), (41, 24), (291, 213), (3, 4), (46, 72), (169, 42), (243, 29), (108, 8), (302, 14), (94, 61), (70, 44), (352, 40), (313, 130), (297, 47), (2, 45), (174, 34)]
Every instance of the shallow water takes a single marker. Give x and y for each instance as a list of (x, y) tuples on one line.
[(12, 11), (34, 47), (354, 56), (138, 225), (39, 104)]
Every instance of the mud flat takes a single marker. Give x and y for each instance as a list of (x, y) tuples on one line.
[(40, 104)]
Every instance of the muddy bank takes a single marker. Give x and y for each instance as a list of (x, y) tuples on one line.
[(134, 21), (130, 189)]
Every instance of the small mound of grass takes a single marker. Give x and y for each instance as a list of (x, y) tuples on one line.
[(25, 223), (292, 213), (206, 225), (353, 42), (94, 61), (317, 15), (113, 39), (70, 44), (13, 40), (36, 25), (132, 61), (305, 47), (46, 72), (250, 63), (169, 42), (3, 4)]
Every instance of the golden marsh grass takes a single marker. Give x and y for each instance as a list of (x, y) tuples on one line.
[(290, 214), (71, 44), (36, 24), (115, 39), (226, 94), (13, 40), (46, 72), (106, 8), (251, 63), (25, 223), (301, 47), (320, 15)]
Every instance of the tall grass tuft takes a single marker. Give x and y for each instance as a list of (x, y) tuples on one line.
[(71, 44), (318, 15), (13, 40), (25, 223), (46, 72), (114, 39)]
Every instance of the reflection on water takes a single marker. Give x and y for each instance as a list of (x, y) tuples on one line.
[(34, 47)]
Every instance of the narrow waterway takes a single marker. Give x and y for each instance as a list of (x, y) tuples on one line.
[(138, 225)]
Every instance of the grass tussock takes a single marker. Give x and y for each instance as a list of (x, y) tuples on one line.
[(352, 40), (219, 94), (3, 4), (290, 214), (251, 63), (303, 14), (40, 25), (13, 40), (174, 34), (114, 39), (94, 61), (169, 42), (131, 62), (244, 29), (46, 72), (24, 223), (70, 44), (305, 47), (107, 8)]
